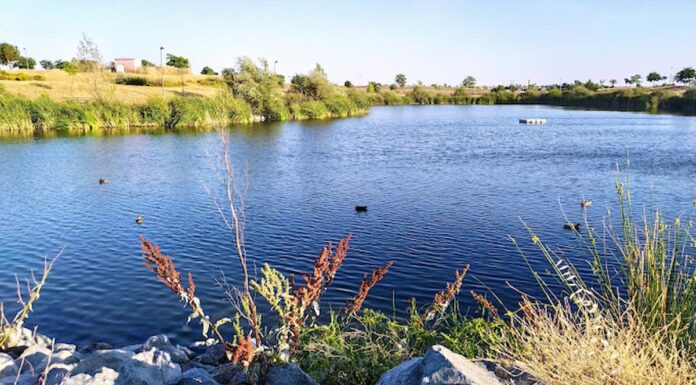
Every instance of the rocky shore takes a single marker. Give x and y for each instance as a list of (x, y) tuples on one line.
[(34, 359)]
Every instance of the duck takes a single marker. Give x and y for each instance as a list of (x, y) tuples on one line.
[(361, 209), (585, 203), (103, 181), (139, 220), (572, 226)]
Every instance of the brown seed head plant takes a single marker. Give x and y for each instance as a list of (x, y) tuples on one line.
[(443, 299), (26, 302), (290, 300), (355, 304)]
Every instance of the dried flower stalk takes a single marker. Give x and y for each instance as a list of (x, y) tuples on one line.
[(355, 304)]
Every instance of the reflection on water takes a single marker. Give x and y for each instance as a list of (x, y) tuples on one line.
[(446, 186)]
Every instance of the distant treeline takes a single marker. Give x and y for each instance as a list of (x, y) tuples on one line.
[(629, 99)]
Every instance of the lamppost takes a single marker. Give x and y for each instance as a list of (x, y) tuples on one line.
[(162, 68), (274, 66)]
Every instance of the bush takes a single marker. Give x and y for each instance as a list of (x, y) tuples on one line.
[(132, 81), (314, 109), (19, 76), (154, 112)]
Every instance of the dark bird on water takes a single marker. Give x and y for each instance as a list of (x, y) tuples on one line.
[(361, 209), (139, 220), (103, 181), (572, 226)]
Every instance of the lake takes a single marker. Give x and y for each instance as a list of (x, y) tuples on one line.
[(445, 185)]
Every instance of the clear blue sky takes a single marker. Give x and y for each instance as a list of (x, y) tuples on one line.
[(432, 41)]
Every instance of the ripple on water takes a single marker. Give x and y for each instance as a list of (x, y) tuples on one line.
[(445, 185)]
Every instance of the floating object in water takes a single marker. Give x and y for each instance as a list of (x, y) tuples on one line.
[(585, 204), (361, 209), (139, 220), (532, 121), (103, 181), (572, 226)]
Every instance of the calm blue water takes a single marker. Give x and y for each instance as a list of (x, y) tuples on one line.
[(445, 185)]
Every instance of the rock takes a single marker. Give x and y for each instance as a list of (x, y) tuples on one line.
[(106, 376), (509, 375), (196, 377), (35, 359), (27, 337), (8, 368), (213, 355), (240, 378), (57, 373), (193, 365), (94, 346), (112, 359), (226, 372), (24, 379), (441, 366), (135, 348), (64, 357), (161, 342), (67, 347), (152, 367), (190, 353), (15, 351), (408, 373), (290, 374)]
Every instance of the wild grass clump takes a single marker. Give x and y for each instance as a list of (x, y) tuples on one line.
[(632, 321), (26, 298)]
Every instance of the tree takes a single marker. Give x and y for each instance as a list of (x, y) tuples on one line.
[(635, 79), (612, 82), (393, 86), (400, 79), (469, 82), (72, 68), (146, 63), (90, 60), (314, 85), (686, 76), (180, 63), (654, 77), (373, 87), (26, 63), (8, 53), (47, 64), (348, 84), (208, 71), (258, 86)]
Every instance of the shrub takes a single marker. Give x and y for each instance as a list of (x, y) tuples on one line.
[(132, 81), (314, 109), (154, 112), (19, 76)]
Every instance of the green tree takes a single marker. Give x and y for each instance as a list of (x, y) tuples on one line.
[(208, 71), (47, 64), (373, 87), (400, 79), (686, 76), (635, 79), (348, 84), (612, 82), (26, 63), (146, 63), (655, 77), (258, 86), (8, 53), (179, 62), (469, 82), (72, 68), (314, 85)]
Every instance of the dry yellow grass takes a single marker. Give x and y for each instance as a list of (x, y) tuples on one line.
[(560, 346), (58, 85)]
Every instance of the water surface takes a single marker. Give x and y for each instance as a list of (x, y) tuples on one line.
[(445, 185)]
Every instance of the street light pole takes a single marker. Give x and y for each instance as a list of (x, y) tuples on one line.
[(162, 68), (274, 66)]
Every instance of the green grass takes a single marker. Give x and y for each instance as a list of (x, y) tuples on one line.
[(360, 350)]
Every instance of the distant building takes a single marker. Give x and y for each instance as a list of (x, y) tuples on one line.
[(121, 65)]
